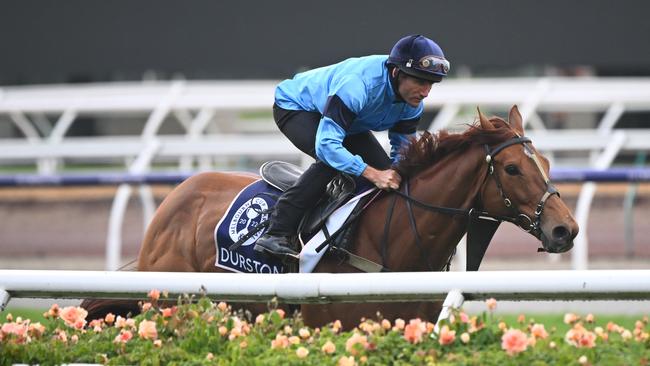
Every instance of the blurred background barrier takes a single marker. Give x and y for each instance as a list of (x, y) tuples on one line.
[(190, 126)]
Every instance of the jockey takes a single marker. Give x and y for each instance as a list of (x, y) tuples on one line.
[(328, 113)]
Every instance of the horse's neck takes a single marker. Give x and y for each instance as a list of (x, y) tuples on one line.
[(452, 182)]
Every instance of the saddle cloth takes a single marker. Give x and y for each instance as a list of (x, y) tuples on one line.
[(247, 211), (251, 208)]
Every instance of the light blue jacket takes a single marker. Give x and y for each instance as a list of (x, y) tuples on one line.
[(353, 96)]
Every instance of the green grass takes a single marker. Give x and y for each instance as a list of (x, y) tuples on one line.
[(36, 315), (557, 320)]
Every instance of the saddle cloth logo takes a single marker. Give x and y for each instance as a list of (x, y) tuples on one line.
[(247, 218), (246, 212)]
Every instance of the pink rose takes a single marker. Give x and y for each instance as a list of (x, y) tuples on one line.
[(36, 329), (328, 347), (491, 304), (538, 331), (521, 318), (123, 337), (62, 336), (336, 326), (588, 340), (120, 322), (73, 316), (385, 323), (302, 352), (446, 336), (578, 336), (166, 312), (109, 318), (95, 323), (514, 341), (280, 341), (464, 318), (54, 310), (570, 318), (304, 333), (465, 337), (399, 324), (414, 330), (355, 339), (18, 330), (154, 295), (613, 327), (147, 330)]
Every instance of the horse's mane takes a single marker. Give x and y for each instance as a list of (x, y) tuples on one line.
[(431, 148)]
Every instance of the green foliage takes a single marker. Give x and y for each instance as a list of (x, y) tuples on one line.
[(201, 332)]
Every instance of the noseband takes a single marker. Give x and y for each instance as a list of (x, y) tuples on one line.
[(520, 219)]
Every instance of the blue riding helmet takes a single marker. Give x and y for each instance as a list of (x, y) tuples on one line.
[(420, 57)]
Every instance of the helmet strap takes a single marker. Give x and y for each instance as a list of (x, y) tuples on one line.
[(394, 81)]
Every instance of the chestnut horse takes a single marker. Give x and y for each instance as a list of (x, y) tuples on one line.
[(490, 168)]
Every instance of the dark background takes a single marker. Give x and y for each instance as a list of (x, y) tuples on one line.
[(90, 40)]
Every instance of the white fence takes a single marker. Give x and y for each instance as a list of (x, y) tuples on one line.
[(329, 287), (208, 113)]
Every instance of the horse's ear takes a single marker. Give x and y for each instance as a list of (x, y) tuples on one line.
[(485, 123), (515, 120)]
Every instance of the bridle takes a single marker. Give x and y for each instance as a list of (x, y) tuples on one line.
[(520, 219)]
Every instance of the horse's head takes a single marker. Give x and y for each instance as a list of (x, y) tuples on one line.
[(519, 189)]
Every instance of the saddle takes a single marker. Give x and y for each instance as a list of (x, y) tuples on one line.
[(341, 188)]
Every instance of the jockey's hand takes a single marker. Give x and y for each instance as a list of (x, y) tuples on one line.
[(383, 179)]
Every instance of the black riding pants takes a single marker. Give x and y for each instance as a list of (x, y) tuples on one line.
[(300, 127)]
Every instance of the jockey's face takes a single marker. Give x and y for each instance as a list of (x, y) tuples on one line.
[(412, 89)]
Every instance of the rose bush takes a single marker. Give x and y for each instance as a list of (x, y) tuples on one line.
[(203, 332)]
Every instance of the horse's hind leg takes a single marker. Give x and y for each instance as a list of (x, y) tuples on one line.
[(98, 308)]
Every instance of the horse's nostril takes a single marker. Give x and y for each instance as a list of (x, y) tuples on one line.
[(560, 232)]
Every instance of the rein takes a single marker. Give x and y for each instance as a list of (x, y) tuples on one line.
[(528, 224)]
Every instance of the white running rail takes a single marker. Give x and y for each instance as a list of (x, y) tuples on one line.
[(332, 287)]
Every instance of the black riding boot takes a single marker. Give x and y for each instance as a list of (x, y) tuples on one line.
[(290, 208)]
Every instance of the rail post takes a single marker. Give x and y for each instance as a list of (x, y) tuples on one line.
[(454, 300)]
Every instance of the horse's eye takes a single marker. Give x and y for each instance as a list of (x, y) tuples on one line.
[(512, 170)]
